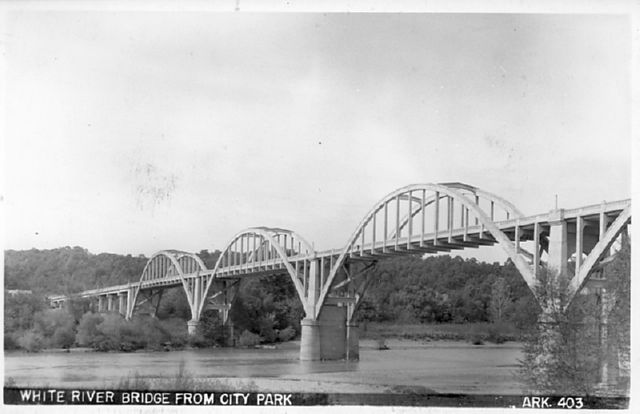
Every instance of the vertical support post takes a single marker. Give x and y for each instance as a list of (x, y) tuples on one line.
[(466, 223), (450, 209), (157, 305), (397, 221), (197, 299), (352, 341), (423, 207), (385, 230), (314, 288), (579, 230), (410, 221), (436, 217), (558, 242), (603, 222), (122, 309), (477, 204), (101, 303), (536, 246), (130, 302), (373, 240)]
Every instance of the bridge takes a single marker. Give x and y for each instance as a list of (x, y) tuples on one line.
[(414, 220)]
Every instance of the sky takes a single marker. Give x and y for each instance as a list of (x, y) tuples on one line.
[(133, 132)]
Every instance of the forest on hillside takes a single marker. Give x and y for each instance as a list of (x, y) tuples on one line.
[(405, 290)]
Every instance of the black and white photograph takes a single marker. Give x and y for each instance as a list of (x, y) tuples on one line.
[(288, 205)]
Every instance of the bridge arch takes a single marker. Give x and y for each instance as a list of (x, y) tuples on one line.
[(506, 206), (420, 200), (265, 250), (165, 266)]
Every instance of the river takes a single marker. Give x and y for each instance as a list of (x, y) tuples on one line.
[(408, 366)]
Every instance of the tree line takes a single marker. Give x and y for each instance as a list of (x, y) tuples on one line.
[(435, 289)]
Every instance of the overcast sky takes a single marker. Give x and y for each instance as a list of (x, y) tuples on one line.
[(132, 132)]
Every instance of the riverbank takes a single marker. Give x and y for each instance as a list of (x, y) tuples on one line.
[(477, 333)]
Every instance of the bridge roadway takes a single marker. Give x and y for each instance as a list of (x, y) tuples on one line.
[(413, 220)]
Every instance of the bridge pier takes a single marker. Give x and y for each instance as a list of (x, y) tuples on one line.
[(110, 303), (192, 326), (122, 300), (558, 243), (310, 340), (330, 337)]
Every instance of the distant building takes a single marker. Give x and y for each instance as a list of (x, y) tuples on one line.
[(13, 292)]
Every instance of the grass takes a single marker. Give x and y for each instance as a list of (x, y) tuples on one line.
[(183, 381), (477, 332)]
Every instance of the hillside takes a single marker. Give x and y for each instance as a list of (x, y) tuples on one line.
[(435, 289)]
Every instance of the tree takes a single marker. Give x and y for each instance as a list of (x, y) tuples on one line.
[(88, 329), (56, 326), (19, 310), (564, 353), (500, 299)]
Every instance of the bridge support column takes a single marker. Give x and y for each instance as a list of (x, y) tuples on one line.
[(329, 337), (558, 242), (100, 303), (192, 326), (110, 303), (122, 300), (353, 342), (310, 340)]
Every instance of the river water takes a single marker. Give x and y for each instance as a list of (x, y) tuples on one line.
[(408, 366)]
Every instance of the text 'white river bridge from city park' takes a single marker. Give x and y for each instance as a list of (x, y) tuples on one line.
[(413, 220)]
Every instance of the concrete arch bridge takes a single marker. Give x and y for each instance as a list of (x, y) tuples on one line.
[(414, 220)]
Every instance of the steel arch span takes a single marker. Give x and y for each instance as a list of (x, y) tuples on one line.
[(165, 268), (421, 218), (431, 218), (259, 251)]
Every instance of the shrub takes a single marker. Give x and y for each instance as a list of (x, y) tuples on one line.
[(57, 327), (198, 341), (144, 332), (211, 328), (496, 333), (63, 337), (266, 324), (10, 342), (88, 329), (248, 339), (177, 331), (286, 334), (381, 344), (476, 335), (31, 341)]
